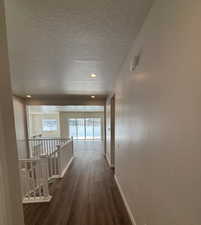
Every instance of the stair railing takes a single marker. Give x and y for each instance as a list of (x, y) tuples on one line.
[(34, 180), (50, 158)]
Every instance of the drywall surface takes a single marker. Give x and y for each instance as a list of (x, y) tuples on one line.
[(158, 109), (10, 194), (60, 43), (36, 126), (20, 127)]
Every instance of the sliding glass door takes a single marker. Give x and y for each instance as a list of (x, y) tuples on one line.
[(97, 128), (72, 127), (85, 128), (89, 128), (80, 128)]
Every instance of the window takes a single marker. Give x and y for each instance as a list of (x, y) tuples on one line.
[(85, 128), (72, 127), (80, 128), (97, 128), (49, 125), (89, 128)]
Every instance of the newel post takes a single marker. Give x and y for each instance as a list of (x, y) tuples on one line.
[(72, 145), (59, 159)]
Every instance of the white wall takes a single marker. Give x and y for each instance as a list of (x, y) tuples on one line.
[(36, 126), (158, 108), (10, 195), (20, 126)]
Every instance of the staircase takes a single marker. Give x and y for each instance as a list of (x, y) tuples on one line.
[(49, 159)]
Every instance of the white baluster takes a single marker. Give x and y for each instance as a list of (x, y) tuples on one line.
[(44, 169), (59, 163)]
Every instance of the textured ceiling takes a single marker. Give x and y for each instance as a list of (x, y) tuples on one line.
[(55, 45)]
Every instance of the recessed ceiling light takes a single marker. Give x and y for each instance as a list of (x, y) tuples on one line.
[(92, 96), (93, 75), (28, 96)]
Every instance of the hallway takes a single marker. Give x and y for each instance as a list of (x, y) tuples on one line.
[(87, 195)]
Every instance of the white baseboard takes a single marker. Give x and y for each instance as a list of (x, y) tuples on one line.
[(37, 200), (53, 177), (125, 201), (108, 161), (64, 171)]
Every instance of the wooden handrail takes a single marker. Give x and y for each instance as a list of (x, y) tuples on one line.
[(41, 139), (60, 147)]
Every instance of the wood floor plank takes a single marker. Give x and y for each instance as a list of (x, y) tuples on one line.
[(87, 195)]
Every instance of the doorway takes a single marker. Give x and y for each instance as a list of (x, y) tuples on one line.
[(110, 131)]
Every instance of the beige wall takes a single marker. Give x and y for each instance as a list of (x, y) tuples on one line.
[(20, 126), (10, 195), (158, 108), (36, 125), (64, 116)]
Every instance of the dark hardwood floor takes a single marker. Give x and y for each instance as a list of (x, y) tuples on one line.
[(87, 195)]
